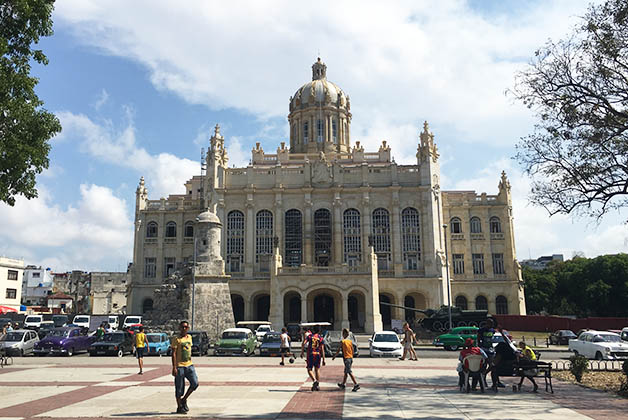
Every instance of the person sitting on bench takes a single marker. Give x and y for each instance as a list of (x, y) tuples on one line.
[(527, 357), (502, 363)]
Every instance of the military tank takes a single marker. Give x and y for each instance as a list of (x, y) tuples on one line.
[(438, 320)]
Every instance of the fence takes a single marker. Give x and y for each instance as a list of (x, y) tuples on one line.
[(552, 323), (594, 365)]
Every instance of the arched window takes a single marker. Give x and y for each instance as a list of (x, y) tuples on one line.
[(171, 230), (151, 230), (189, 230), (322, 237), (461, 302), (481, 303), (455, 225), (235, 241), (352, 233), (147, 305), (501, 305), (381, 237), (306, 132), (263, 239), (476, 225), (293, 238), (495, 225), (410, 239)]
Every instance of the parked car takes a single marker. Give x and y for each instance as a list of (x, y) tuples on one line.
[(19, 342), (455, 338), (45, 328), (113, 322), (271, 344), (116, 343), (159, 344), (599, 345), (131, 320), (32, 322), (561, 337), (261, 331), (81, 321), (200, 343), (623, 334), (331, 340), (236, 341), (385, 343), (294, 331), (60, 320), (65, 340)]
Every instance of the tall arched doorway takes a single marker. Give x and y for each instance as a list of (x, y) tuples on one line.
[(324, 306), (386, 311), (291, 308), (262, 307), (147, 305), (237, 304), (357, 313), (410, 315)]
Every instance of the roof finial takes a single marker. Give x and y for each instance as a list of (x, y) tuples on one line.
[(319, 70)]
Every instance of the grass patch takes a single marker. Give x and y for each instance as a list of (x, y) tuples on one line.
[(603, 381)]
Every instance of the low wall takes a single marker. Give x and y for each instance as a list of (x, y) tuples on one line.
[(553, 323)]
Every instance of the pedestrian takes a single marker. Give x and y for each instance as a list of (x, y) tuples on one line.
[(100, 332), (182, 367), (315, 354), (285, 346), (140, 346), (408, 339), (9, 327), (346, 346), (108, 328)]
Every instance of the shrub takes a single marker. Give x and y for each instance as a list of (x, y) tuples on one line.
[(579, 365), (623, 388)]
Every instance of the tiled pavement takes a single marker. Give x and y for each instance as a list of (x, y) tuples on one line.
[(86, 388)]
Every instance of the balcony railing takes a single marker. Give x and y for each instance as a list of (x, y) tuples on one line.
[(497, 236)]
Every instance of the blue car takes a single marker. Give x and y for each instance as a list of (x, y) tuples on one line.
[(271, 343), (158, 344)]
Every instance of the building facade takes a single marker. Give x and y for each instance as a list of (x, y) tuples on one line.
[(11, 277), (108, 292), (36, 286), (323, 230)]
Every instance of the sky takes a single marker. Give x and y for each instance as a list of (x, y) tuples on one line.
[(138, 87)]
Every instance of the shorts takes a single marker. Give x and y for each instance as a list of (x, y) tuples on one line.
[(348, 364), (139, 352), (284, 350), (313, 361), (183, 373), (407, 346)]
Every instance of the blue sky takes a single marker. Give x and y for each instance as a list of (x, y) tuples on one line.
[(138, 87)]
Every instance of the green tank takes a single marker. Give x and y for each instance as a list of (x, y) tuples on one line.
[(438, 320)]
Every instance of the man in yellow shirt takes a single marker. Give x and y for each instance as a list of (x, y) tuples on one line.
[(182, 367), (346, 345), (527, 358), (140, 345)]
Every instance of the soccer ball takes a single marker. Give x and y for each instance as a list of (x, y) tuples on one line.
[(291, 360)]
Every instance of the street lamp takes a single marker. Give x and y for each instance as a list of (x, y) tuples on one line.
[(448, 281), (194, 274)]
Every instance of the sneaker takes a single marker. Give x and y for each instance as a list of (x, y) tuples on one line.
[(341, 386), (140, 373), (316, 386), (355, 387), (180, 410), (281, 363), (536, 388), (184, 405)]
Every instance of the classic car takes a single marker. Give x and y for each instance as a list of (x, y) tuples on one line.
[(624, 334), (236, 341), (271, 343), (455, 338), (159, 344), (385, 343), (599, 345), (19, 342), (116, 343), (261, 331), (332, 339), (561, 337), (200, 343), (64, 340)]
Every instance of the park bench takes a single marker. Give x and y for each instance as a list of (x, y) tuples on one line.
[(535, 369)]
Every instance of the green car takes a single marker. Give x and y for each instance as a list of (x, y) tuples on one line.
[(456, 337), (236, 341)]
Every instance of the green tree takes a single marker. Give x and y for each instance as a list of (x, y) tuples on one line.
[(25, 127), (577, 155)]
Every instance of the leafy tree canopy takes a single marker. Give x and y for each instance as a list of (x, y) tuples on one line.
[(578, 87), (25, 127)]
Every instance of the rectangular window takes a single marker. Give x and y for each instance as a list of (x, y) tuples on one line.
[(11, 275), (306, 131), (334, 131), (11, 293), (150, 268), (498, 264), (169, 264), (36, 275), (319, 130), (478, 263), (458, 263), (412, 262)]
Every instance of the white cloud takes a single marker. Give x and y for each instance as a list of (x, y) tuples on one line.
[(96, 233), (102, 99)]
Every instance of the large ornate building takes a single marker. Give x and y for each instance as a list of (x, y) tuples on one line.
[(322, 230)]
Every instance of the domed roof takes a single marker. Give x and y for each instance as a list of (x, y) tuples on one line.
[(319, 91), (207, 217)]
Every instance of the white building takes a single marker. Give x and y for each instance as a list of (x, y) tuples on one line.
[(36, 285), (11, 274)]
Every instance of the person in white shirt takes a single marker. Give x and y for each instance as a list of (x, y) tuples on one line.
[(285, 346)]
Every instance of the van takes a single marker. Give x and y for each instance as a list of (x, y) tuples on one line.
[(81, 321), (33, 322), (131, 320), (113, 322)]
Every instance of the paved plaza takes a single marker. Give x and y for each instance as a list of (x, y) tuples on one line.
[(254, 387)]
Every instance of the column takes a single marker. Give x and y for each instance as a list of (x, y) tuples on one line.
[(345, 311), (304, 309)]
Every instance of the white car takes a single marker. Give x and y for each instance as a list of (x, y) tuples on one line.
[(261, 331), (33, 321), (385, 343), (19, 342), (113, 322), (81, 321), (131, 320), (599, 345)]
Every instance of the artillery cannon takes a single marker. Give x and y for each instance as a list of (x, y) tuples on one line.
[(438, 320)]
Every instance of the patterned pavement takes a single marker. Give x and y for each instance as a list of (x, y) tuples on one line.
[(89, 387)]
